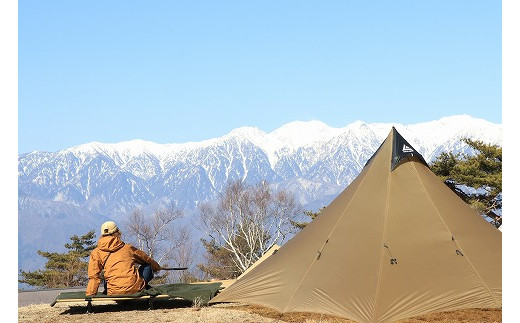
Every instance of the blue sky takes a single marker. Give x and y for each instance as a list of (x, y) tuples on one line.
[(172, 71)]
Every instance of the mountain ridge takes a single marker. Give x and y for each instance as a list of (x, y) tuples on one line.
[(81, 185)]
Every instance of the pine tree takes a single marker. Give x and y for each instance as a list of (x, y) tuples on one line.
[(481, 172), (219, 262), (63, 269)]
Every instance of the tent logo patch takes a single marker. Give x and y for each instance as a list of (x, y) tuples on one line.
[(407, 149)]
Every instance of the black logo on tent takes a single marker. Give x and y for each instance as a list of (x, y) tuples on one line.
[(402, 151)]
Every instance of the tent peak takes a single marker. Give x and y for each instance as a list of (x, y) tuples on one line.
[(402, 150)]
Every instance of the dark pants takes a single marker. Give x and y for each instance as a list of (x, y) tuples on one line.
[(145, 271)]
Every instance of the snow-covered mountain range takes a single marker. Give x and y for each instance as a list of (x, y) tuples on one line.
[(74, 190)]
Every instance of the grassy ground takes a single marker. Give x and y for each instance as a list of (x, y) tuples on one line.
[(471, 315), (179, 311)]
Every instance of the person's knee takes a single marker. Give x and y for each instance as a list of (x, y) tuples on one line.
[(146, 272)]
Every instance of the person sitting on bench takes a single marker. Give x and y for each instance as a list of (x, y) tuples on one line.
[(118, 260)]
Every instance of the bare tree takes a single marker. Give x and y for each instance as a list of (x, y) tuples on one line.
[(185, 256), (247, 221), (156, 234)]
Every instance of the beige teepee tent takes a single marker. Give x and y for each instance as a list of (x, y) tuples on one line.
[(396, 243), (266, 255)]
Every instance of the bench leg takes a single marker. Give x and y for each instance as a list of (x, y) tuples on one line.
[(150, 302), (89, 307)]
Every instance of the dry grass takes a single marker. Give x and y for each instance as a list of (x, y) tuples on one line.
[(288, 317), (469, 315), (134, 311), (179, 311)]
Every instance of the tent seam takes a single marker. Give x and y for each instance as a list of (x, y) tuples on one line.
[(328, 237), (455, 241), (378, 288)]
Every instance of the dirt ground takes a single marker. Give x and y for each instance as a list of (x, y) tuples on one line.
[(179, 311), (136, 311)]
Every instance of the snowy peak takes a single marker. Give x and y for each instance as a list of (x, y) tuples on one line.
[(297, 134), (247, 132), (301, 133)]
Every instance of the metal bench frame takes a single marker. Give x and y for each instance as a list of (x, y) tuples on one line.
[(90, 307)]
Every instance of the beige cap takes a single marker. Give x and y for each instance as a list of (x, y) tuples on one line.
[(108, 227)]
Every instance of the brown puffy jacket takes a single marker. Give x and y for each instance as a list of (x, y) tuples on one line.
[(120, 273)]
